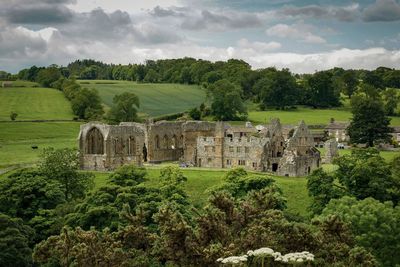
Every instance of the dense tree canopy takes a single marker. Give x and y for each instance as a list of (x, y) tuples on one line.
[(369, 123), (124, 108), (362, 174), (62, 165), (376, 225), (226, 101)]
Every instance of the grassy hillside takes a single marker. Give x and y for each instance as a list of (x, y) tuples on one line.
[(309, 115), (33, 103), (155, 99), (17, 138)]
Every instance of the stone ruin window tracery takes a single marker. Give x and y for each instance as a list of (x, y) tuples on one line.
[(95, 142), (118, 146)]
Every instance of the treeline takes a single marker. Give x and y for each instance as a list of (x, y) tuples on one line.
[(270, 87), (52, 216)]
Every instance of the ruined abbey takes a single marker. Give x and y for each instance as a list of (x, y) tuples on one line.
[(201, 144)]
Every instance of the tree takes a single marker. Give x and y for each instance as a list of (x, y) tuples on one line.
[(278, 89), (376, 225), (15, 241), (227, 103), (62, 165), (128, 175), (321, 90), (25, 192), (124, 108), (350, 81), (13, 115), (47, 76), (195, 114), (362, 174), (86, 104), (391, 99), (369, 123)]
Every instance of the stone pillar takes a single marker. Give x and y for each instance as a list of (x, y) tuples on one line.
[(331, 150), (219, 145)]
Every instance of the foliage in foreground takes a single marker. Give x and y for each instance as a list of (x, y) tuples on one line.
[(237, 218)]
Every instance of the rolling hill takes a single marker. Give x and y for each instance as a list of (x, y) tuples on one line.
[(155, 99)]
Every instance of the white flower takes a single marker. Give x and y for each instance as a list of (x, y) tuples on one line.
[(233, 259), (261, 252)]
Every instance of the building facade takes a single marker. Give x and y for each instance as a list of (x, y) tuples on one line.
[(200, 144)]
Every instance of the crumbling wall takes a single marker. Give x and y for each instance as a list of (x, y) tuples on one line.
[(120, 145), (300, 156), (165, 141)]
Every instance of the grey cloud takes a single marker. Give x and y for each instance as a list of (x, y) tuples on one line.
[(344, 13), (382, 10), (194, 19), (37, 12)]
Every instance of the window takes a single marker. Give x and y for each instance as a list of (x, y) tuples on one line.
[(241, 162), (247, 149), (209, 160), (131, 146), (157, 141), (231, 149), (213, 148), (254, 164), (238, 149), (228, 162)]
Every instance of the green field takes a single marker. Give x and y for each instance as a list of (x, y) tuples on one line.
[(32, 103), (201, 181), (17, 138), (155, 99), (309, 115)]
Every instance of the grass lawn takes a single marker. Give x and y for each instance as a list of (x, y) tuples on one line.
[(200, 181), (33, 103), (155, 99), (16, 139), (309, 115)]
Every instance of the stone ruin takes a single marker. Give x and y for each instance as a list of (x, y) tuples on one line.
[(331, 151), (200, 144)]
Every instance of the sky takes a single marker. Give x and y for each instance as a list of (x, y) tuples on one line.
[(304, 35)]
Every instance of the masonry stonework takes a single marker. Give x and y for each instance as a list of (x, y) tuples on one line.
[(202, 144)]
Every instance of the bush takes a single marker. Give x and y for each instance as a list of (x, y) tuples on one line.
[(13, 116)]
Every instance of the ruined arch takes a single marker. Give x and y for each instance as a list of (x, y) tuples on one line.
[(174, 142), (94, 142), (131, 145), (165, 142)]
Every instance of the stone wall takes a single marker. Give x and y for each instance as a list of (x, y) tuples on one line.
[(106, 147)]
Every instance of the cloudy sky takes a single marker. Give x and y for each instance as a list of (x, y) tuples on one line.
[(303, 35)]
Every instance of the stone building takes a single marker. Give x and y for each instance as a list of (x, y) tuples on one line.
[(338, 130), (201, 144)]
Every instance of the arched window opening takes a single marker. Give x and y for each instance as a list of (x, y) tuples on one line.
[(173, 142), (157, 141), (181, 141), (95, 142), (165, 142), (118, 146), (131, 146)]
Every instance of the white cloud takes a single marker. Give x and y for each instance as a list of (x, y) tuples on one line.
[(300, 31)]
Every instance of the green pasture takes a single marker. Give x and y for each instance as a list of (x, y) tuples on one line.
[(309, 115), (201, 181), (34, 103), (155, 99), (17, 138)]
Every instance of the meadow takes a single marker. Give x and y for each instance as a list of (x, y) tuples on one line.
[(155, 99), (309, 115), (17, 138), (34, 103)]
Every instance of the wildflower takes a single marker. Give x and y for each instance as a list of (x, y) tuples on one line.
[(233, 259)]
